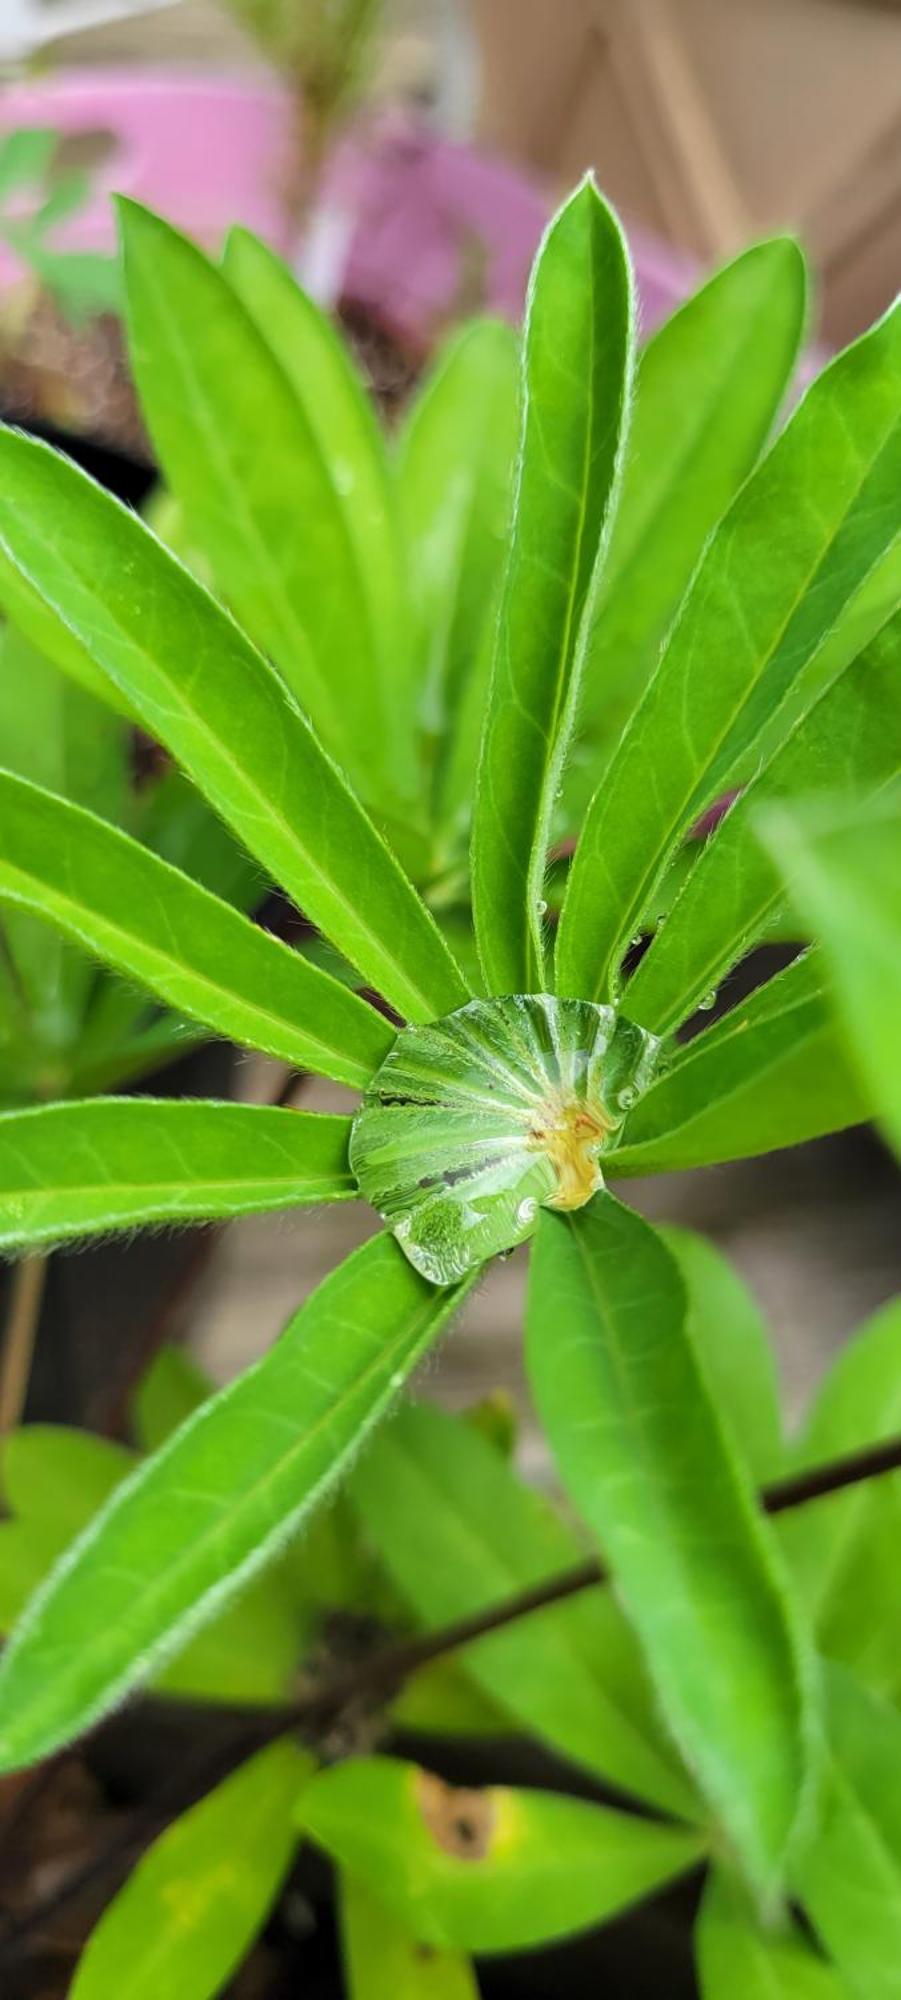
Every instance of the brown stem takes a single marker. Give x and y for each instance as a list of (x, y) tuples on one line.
[(26, 1292)]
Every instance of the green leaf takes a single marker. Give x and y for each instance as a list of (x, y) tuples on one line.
[(455, 471), (261, 497), (182, 829), (739, 1959), (849, 1876), (220, 1497), (107, 892), (823, 508), (381, 1956), (191, 1909), (730, 1336), (178, 657), (494, 1870), (844, 1550), (70, 1170), (771, 1073), (27, 610), (473, 1121), (169, 1391), (576, 383), (849, 743), (844, 874), (708, 388), (644, 1455), (458, 1532)]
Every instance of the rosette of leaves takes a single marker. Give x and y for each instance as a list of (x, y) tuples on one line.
[(523, 1081)]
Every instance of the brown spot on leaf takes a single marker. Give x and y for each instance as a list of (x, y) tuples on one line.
[(461, 1821)]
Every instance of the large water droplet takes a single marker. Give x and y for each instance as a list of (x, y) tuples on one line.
[(708, 1002)]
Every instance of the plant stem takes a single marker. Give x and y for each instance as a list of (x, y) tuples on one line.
[(26, 1292)]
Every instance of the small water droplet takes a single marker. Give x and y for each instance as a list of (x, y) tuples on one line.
[(709, 1000), (541, 907), (626, 1098), (397, 1380), (526, 1212)]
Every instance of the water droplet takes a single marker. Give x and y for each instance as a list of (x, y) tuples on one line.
[(626, 1098), (541, 907), (397, 1380), (636, 940), (708, 1001), (526, 1211)]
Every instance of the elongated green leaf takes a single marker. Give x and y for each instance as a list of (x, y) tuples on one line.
[(259, 494), (576, 384), (844, 874), (382, 1956), (455, 475), (352, 450), (175, 820), (191, 1909), (844, 1551), (772, 1073), (457, 1532), (202, 1515), (629, 1417), (708, 388), (70, 1170), (204, 692), (850, 743), (26, 608), (739, 1959), (196, 952), (169, 1391), (796, 544), (849, 1876), (730, 1335), (494, 1870)]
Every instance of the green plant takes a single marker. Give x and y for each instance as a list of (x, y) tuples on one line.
[(35, 197), (529, 1072)]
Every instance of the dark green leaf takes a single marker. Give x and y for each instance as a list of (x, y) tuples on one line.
[(645, 1457), (576, 385), (849, 1876), (727, 1328)]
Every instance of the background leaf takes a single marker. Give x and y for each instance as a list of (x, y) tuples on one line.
[(739, 1959), (381, 1956), (731, 1338), (849, 1876), (644, 1456), (575, 392)]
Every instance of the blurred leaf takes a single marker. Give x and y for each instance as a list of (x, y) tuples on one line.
[(192, 673), (644, 1455), (382, 1957), (823, 505), (708, 389), (70, 1170), (175, 820), (849, 1875), (261, 496), (455, 472), (771, 1073), (731, 1337), (106, 891), (458, 1532), (494, 1870), (440, 1699), (740, 1959), (191, 1909), (169, 1391), (219, 1499), (849, 743), (843, 869), (576, 384)]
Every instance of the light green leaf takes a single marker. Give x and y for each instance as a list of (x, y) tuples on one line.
[(850, 743), (474, 1121), (844, 874), (28, 612), (455, 472), (216, 1502), (644, 1455), (457, 1532), (169, 1391), (849, 1876), (576, 383), (730, 1335), (708, 387), (381, 1956), (843, 1550), (191, 1909), (260, 495), (771, 1073), (441, 1699), (188, 669), (494, 1870), (823, 505), (70, 1170), (740, 1959), (110, 894)]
